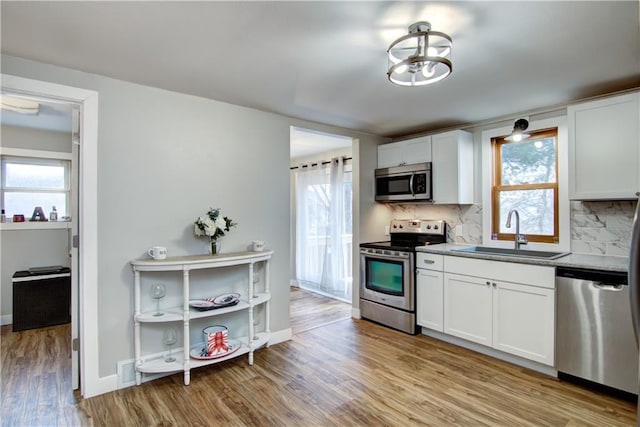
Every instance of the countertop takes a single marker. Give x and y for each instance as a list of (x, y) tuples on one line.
[(596, 262)]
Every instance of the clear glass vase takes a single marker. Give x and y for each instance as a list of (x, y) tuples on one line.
[(214, 247)]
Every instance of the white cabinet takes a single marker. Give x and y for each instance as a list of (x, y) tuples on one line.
[(509, 307), (604, 153), (429, 291), (452, 167), (243, 311), (467, 307), (411, 151), (524, 321)]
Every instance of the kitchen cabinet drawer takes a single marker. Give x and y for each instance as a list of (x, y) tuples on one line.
[(429, 261), (534, 275)]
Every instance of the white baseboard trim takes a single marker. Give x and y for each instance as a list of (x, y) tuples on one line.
[(355, 313), (280, 336), (101, 386), (525, 363), (6, 319)]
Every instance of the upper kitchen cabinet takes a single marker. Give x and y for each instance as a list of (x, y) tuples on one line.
[(411, 151), (604, 157), (452, 157)]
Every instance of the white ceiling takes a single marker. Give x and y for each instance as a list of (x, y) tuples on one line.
[(306, 142), (326, 61)]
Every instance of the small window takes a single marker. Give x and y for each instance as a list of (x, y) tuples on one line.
[(526, 179), (29, 182)]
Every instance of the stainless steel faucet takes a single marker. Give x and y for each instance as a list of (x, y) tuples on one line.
[(519, 239)]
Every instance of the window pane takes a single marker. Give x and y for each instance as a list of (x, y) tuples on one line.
[(532, 161), (35, 176), (535, 208), (25, 203)]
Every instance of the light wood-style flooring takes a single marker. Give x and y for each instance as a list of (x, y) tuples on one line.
[(346, 373), (36, 378), (310, 310)]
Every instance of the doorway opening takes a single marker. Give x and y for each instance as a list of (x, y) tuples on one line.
[(321, 216), (40, 164), (84, 346)]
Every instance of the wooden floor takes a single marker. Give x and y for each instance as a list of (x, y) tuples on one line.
[(345, 373), (310, 310), (36, 378)]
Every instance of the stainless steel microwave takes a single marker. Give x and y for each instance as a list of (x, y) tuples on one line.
[(404, 183)]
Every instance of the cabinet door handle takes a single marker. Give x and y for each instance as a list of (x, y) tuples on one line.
[(488, 283), (429, 261), (494, 284)]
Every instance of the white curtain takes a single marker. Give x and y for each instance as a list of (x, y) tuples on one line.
[(323, 229)]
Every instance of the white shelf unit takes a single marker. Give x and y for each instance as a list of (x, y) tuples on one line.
[(153, 363)]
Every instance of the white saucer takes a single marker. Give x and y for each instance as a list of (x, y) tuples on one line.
[(196, 353)]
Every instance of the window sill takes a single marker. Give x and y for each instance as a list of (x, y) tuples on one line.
[(33, 225)]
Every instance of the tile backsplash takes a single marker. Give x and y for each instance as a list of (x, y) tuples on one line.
[(600, 227)]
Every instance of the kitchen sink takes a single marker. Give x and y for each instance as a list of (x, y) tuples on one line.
[(521, 253)]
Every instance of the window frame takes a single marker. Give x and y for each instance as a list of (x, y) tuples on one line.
[(45, 160), (557, 119), (497, 188)]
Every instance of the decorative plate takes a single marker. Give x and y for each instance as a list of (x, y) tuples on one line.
[(201, 304), (226, 299), (200, 353)]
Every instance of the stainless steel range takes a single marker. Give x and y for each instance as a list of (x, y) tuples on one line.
[(387, 272)]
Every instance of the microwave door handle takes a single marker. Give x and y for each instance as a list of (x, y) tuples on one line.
[(413, 193)]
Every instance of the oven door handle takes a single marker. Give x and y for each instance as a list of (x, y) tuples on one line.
[(387, 257)]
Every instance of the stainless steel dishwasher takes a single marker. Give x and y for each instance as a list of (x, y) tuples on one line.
[(594, 335)]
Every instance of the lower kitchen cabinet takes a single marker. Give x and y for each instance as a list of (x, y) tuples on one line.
[(429, 291), (495, 311), (429, 294), (523, 321), (467, 308)]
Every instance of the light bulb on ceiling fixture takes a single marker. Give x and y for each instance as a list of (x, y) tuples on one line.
[(518, 133)]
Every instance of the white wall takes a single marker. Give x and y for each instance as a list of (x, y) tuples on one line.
[(163, 159), (22, 249)]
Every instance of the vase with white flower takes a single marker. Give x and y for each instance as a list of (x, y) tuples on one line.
[(213, 226)]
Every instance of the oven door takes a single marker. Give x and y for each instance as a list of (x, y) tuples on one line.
[(386, 277)]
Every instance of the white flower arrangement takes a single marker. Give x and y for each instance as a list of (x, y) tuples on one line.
[(213, 225)]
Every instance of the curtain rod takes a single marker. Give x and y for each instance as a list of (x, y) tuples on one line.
[(318, 163)]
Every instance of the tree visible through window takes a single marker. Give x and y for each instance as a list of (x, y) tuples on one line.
[(526, 179)]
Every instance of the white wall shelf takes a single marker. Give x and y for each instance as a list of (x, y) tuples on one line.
[(35, 225), (151, 363)]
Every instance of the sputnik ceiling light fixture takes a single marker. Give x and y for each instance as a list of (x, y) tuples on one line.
[(421, 57), (518, 133)]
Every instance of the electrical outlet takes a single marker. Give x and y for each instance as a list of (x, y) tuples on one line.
[(386, 230)]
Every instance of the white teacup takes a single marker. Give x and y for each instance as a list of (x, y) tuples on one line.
[(158, 252), (257, 245)]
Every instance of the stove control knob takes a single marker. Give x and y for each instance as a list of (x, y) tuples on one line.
[(428, 227), (401, 226), (435, 227), (395, 226)]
